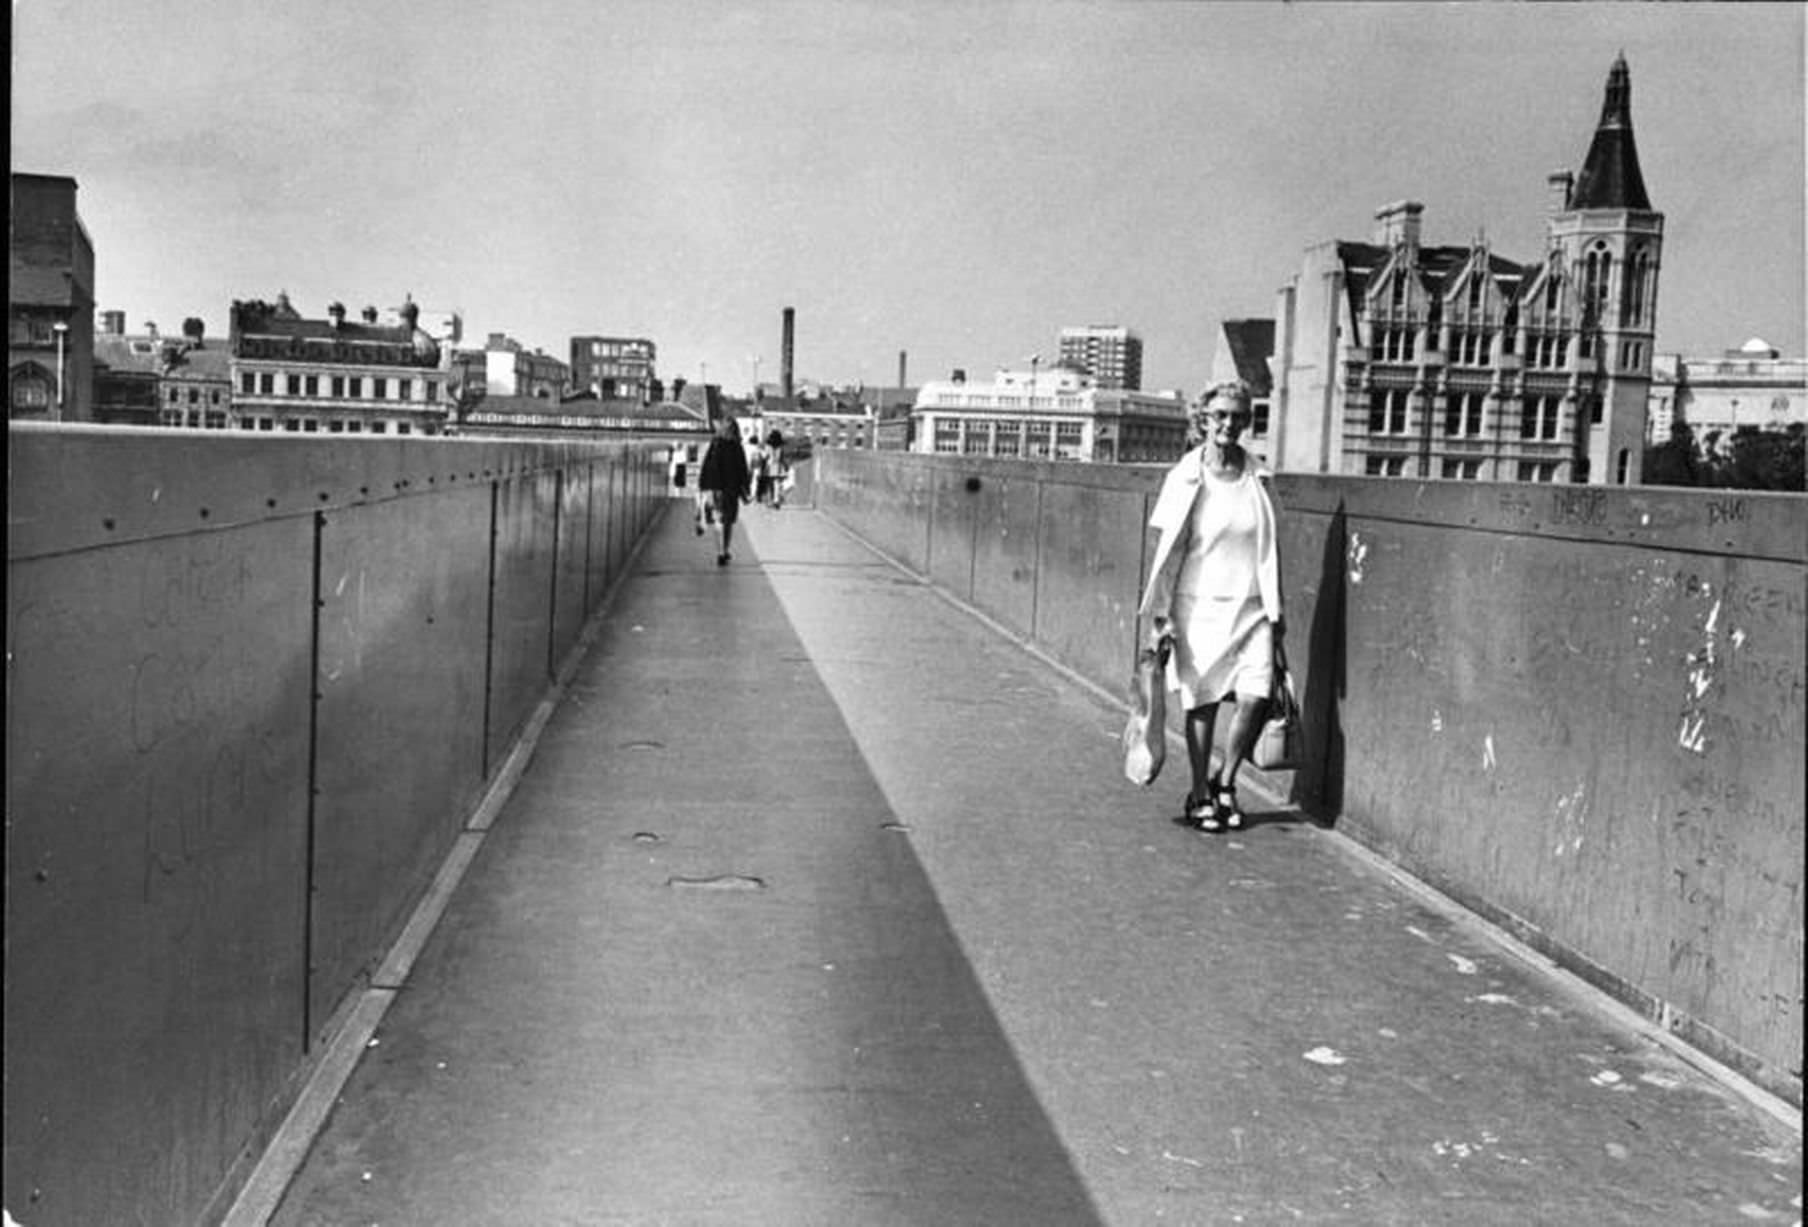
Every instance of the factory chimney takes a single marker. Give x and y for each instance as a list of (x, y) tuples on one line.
[(785, 369)]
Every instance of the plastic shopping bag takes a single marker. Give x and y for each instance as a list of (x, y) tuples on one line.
[(1146, 732)]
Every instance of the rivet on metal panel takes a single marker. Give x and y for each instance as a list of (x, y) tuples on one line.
[(204, 513), (270, 503), (107, 523), (324, 496), (364, 490)]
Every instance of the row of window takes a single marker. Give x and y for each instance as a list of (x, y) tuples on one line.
[(213, 419), (1475, 347), (338, 387), (174, 395), (1465, 414), (988, 437), (1459, 468)]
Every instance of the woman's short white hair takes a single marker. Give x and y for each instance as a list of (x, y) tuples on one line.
[(1227, 389)]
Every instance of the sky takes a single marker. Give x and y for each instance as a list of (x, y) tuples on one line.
[(952, 180)]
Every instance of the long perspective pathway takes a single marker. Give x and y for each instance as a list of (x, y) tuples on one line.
[(821, 902)]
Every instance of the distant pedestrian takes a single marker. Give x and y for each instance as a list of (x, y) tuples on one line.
[(773, 472), (762, 475), (724, 481), (1214, 588)]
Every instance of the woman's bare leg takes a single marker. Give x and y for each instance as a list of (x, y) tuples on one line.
[(1200, 722), (1245, 727)]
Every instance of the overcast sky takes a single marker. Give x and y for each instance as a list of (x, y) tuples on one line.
[(955, 180)]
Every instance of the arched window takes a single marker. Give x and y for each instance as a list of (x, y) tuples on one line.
[(1597, 274), (30, 392)]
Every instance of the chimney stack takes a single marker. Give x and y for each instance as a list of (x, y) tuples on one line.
[(903, 358), (336, 313), (1562, 183), (785, 370), (1398, 223), (113, 323)]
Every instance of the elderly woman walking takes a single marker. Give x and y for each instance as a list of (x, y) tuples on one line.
[(1214, 588)]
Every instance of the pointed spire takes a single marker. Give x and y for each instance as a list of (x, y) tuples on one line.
[(1610, 177)]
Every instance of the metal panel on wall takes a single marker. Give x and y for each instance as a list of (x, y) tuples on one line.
[(1635, 716), (953, 521), (404, 592), (600, 519), (1089, 580), (157, 746), (884, 499), (521, 591), (573, 536), (1004, 550), (621, 510)]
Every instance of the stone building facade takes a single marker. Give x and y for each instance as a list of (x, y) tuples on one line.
[(614, 367), (335, 375), (1399, 358), (1048, 415), (152, 379)]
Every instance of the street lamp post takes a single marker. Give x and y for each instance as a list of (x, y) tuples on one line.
[(61, 328)]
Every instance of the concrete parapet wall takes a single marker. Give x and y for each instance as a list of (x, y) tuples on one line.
[(1576, 710), (256, 685)]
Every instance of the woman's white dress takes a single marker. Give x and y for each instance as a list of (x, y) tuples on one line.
[(1222, 638)]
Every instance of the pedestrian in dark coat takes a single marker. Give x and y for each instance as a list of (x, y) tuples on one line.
[(726, 482)]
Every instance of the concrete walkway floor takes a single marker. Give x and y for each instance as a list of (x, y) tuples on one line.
[(822, 903)]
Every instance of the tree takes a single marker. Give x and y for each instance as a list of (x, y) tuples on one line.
[(1750, 459), (1763, 460), (1674, 462)]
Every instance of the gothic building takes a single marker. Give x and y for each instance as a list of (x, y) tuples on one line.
[(1398, 358)]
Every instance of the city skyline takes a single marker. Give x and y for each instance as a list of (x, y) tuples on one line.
[(955, 182)]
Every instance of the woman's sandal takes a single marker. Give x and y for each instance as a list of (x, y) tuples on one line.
[(1225, 802), (1203, 815)]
